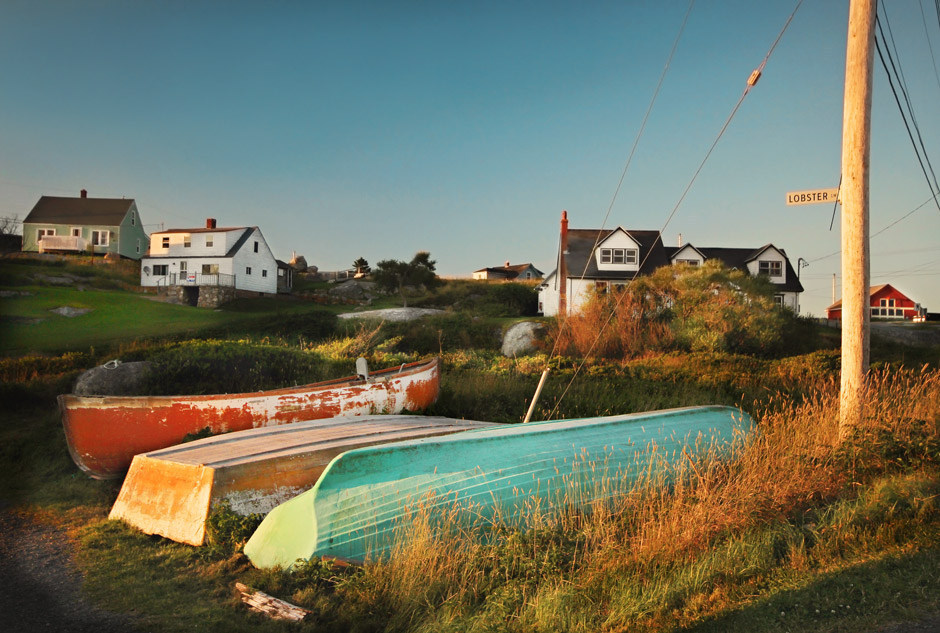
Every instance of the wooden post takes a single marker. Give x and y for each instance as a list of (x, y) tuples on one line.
[(856, 149), (535, 398)]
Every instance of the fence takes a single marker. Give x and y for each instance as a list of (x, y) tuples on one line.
[(196, 279)]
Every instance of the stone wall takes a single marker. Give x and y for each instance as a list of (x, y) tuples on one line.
[(209, 296), (214, 296)]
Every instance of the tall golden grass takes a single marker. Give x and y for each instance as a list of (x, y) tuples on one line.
[(687, 540)]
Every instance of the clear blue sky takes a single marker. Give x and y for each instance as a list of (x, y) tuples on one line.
[(377, 129)]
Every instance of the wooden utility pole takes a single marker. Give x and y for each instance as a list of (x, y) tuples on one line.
[(856, 150)]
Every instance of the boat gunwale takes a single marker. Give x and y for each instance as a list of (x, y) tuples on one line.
[(539, 427), (405, 370)]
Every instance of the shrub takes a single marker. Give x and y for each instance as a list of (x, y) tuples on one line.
[(446, 332), (704, 308), (202, 367), (484, 298)]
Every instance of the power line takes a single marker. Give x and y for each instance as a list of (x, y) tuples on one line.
[(751, 82), (934, 188), (933, 60), (882, 230), (636, 142)]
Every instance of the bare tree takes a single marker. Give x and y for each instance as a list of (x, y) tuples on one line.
[(11, 225)]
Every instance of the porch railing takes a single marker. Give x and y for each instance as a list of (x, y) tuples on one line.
[(196, 279), (62, 243)]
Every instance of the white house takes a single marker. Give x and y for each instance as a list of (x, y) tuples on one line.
[(767, 260), (509, 272), (591, 260), (212, 256)]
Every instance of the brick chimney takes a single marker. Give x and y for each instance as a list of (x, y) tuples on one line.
[(84, 193), (563, 268), (210, 223)]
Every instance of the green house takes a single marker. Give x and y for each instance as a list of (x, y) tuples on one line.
[(85, 225)]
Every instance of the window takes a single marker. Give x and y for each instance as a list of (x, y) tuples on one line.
[(600, 287), (256, 247), (778, 300), (187, 241), (688, 262), (166, 241), (138, 245), (618, 255), (280, 272), (247, 270), (100, 238), (41, 233), (183, 266), (209, 241), (76, 231), (210, 269), (160, 270), (133, 219), (264, 273), (770, 268)]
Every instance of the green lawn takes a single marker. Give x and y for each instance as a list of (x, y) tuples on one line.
[(29, 325)]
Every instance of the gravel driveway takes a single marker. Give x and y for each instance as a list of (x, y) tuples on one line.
[(41, 585)]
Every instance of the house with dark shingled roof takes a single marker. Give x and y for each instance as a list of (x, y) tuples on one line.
[(85, 225), (596, 260), (509, 272)]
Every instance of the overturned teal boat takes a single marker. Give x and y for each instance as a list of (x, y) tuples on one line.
[(365, 497)]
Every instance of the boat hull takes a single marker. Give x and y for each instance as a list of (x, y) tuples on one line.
[(172, 491), (104, 433), (357, 508)]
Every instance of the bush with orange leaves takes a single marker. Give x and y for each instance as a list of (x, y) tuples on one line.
[(697, 308)]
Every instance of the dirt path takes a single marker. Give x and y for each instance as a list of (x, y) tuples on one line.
[(41, 587)]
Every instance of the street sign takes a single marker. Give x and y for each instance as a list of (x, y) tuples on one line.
[(813, 196)]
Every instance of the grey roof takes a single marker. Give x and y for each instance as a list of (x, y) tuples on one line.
[(654, 255), (740, 257), (241, 241), (100, 211), (510, 271), (581, 243)]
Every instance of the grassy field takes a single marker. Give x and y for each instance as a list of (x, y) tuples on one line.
[(799, 532)]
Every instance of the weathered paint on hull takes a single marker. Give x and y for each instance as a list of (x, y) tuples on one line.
[(104, 433), (361, 499), (171, 491)]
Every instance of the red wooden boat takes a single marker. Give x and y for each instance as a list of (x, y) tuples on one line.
[(105, 432)]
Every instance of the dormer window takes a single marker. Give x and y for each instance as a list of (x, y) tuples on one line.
[(770, 268), (618, 255)]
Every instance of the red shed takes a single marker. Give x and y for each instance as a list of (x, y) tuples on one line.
[(885, 302)]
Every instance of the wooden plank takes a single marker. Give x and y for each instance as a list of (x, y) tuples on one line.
[(268, 605)]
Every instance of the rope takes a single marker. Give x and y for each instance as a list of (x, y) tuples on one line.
[(626, 166)]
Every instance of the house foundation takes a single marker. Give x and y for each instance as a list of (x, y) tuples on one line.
[(201, 296)]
